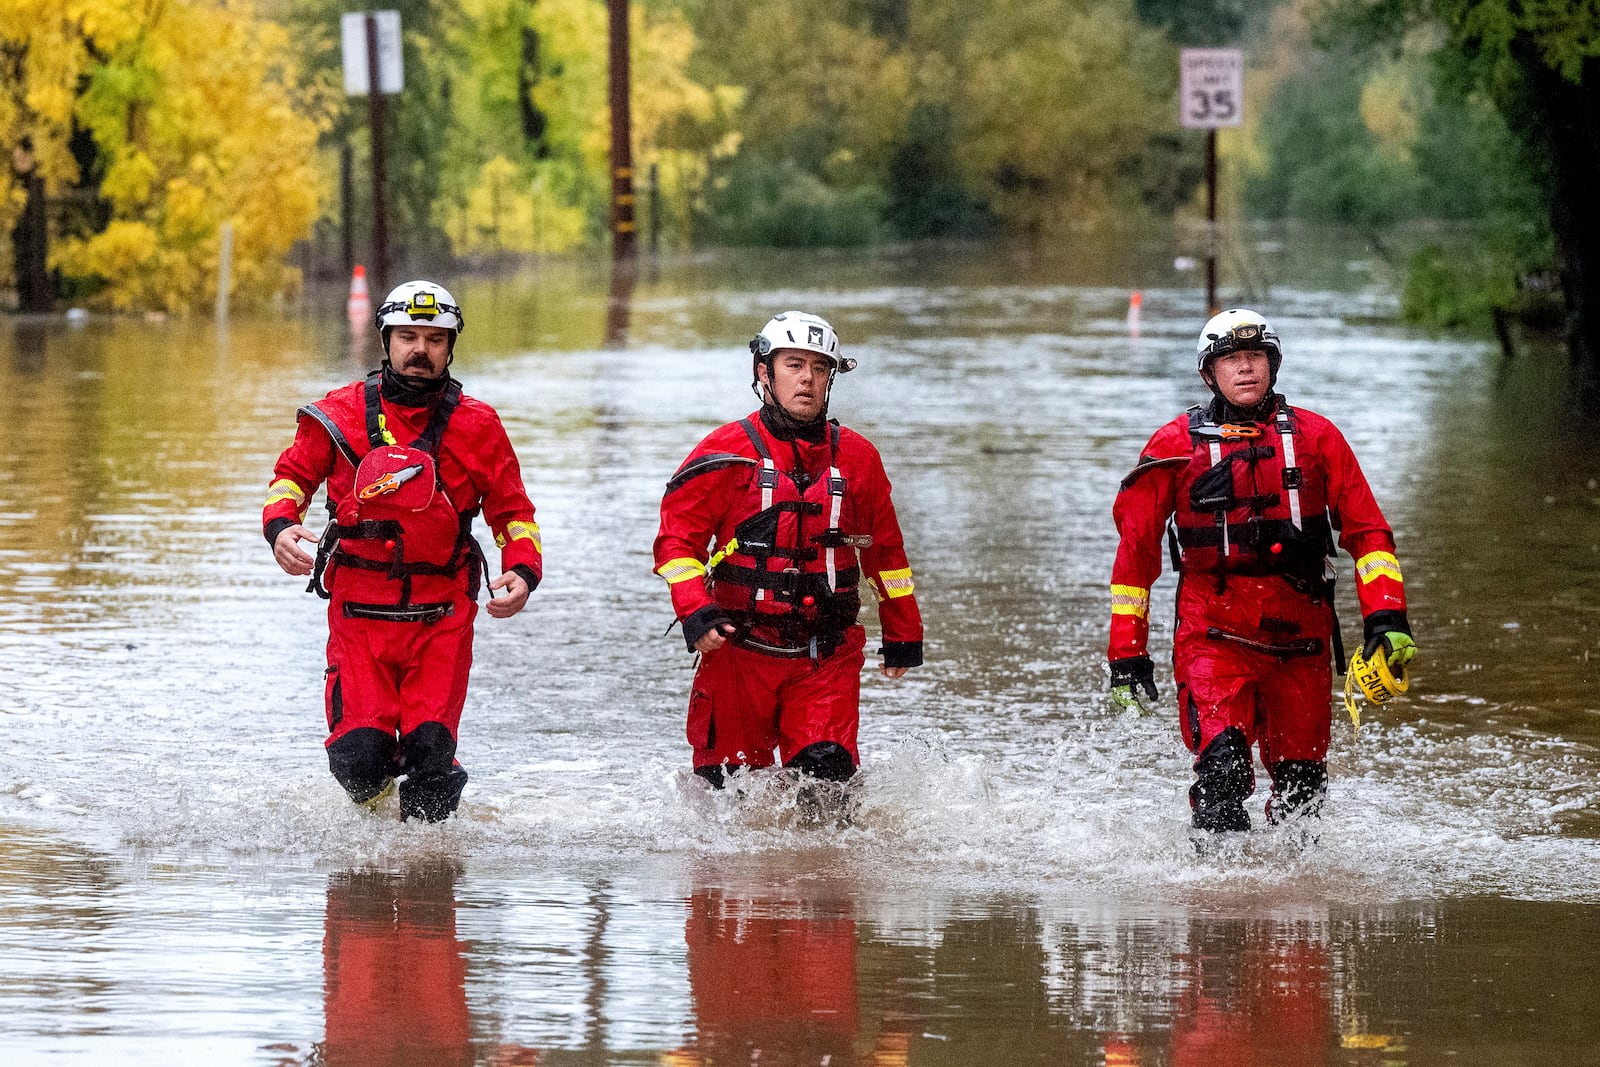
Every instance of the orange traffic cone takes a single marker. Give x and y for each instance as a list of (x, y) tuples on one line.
[(359, 305)]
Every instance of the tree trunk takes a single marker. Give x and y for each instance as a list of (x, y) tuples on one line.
[(30, 247), (1567, 115)]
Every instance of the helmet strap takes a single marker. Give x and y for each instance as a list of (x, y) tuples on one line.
[(410, 390)]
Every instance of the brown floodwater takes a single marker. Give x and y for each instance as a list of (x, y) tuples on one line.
[(184, 882)]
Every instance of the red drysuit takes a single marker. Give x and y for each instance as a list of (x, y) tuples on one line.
[(1254, 508), (793, 525), (404, 574)]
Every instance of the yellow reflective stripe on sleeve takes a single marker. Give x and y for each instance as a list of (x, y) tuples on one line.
[(517, 530), (284, 489), (897, 583), (681, 569), (1378, 565), (1130, 600)]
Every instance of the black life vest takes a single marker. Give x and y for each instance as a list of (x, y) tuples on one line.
[(1245, 506)]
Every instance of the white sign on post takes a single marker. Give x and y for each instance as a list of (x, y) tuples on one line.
[(353, 36), (1211, 88)]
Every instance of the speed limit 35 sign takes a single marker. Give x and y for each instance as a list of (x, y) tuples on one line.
[(1211, 88)]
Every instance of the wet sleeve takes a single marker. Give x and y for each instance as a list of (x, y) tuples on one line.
[(506, 508), (1143, 505), (886, 567), (693, 507), (1363, 531), (300, 469)]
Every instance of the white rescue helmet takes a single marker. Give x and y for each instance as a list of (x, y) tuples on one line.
[(1238, 330), (419, 303), (802, 331)]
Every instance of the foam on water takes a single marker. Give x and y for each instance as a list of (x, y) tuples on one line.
[(1415, 812)]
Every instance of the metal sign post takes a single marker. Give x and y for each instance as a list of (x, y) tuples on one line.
[(364, 35), (1211, 96)]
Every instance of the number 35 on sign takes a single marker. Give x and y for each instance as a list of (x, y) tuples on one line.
[(1211, 88)]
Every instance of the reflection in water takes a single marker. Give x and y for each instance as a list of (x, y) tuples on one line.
[(619, 301), (1252, 993), (775, 981), (394, 971), (31, 345)]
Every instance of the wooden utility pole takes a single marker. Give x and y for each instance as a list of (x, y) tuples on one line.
[(380, 228), (347, 205), (623, 228)]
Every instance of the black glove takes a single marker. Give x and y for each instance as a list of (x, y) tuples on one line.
[(1130, 674), (711, 617)]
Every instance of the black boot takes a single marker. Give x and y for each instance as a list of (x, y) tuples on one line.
[(433, 798), (363, 761), (1299, 787), (827, 760), (434, 780), (717, 773), (823, 795), (1223, 779)]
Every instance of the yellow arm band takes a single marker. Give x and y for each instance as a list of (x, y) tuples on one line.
[(284, 489), (897, 583), (681, 569), (1376, 565), (517, 530), (1130, 600)]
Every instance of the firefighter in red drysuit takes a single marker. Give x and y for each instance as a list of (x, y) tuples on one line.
[(796, 511), (1254, 491), (410, 461)]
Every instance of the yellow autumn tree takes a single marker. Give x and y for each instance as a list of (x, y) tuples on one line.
[(46, 48), (508, 197), (198, 118)]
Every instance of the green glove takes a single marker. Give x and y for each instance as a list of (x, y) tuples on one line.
[(1390, 630), (1400, 648)]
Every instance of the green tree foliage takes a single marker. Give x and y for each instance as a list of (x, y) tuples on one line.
[(500, 139), (417, 121), (1538, 155), (1200, 23), (1041, 115), (824, 101), (1053, 103), (1324, 163), (197, 119)]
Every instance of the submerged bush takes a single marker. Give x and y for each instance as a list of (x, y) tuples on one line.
[(757, 203), (1449, 288)]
